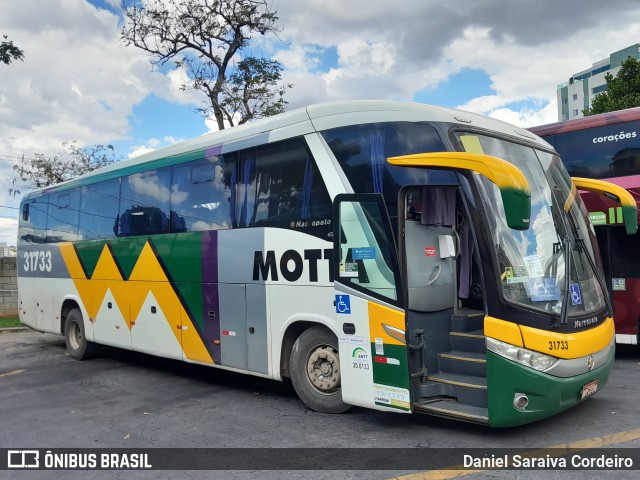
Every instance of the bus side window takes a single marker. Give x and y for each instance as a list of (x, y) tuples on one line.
[(64, 213), (280, 186), (200, 194), (144, 203), (33, 230), (99, 210)]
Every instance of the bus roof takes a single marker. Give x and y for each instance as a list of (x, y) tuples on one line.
[(293, 123), (610, 118)]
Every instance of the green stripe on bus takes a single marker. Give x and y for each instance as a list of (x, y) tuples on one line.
[(89, 253), (181, 255), (388, 373), (126, 252)]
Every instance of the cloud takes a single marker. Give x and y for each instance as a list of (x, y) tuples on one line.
[(527, 48)]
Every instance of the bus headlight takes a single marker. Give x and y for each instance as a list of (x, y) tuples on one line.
[(528, 358)]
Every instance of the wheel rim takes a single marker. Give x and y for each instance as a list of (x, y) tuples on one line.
[(323, 369), (75, 336)]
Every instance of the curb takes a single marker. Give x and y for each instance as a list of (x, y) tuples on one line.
[(13, 329)]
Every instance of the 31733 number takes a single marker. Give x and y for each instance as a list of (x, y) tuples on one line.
[(37, 261), (558, 345)]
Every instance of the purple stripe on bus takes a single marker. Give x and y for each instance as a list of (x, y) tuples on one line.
[(210, 298), (213, 151)]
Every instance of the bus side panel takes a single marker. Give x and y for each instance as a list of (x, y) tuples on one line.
[(158, 327), (233, 325), (293, 270), (41, 279), (27, 301), (111, 324), (257, 328), (626, 307)]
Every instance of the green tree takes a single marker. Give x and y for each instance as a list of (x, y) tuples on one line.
[(71, 161), (9, 52), (623, 90), (206, 38)]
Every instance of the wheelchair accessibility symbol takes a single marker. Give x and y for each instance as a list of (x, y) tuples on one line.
[(576, 296), (343, 304)]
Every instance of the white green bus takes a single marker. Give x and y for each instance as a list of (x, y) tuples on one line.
[(396, 256)]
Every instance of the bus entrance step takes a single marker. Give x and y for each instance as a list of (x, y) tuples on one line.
[(463, 362), (449, 409), (473, 341), (467, 389), (467, 320)]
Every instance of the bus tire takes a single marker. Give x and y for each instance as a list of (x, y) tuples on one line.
[(315, 370), (77, 344)]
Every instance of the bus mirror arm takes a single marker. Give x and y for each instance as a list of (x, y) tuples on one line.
[(613, 192), (513, 185)]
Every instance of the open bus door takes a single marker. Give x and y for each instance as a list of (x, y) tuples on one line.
[(369, 297), (369, 305)]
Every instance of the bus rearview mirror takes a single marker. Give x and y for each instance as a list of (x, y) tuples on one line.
[(613, 192), (513, 185)]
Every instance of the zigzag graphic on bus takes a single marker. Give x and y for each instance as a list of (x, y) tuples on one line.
[(147, 277)]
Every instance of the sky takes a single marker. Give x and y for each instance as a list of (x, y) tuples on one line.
[(501, 58)]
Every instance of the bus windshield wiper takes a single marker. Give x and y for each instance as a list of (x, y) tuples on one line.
[(568, 258), (581, 248)]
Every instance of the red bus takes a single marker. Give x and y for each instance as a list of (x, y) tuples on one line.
[(607, 147)]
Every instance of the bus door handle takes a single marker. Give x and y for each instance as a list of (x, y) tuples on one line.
[(349, 328)]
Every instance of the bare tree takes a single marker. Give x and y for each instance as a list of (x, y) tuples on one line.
[(70, 162), (206, 37)]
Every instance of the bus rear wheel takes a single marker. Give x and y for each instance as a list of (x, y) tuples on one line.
[(74, 336), (315, 370)]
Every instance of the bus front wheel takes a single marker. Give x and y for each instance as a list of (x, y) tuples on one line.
[(315, 370), (77, 344)]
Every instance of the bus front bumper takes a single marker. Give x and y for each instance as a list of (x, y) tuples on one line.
[(547, 395)]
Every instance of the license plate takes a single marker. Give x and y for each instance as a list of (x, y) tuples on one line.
[(589, 389)]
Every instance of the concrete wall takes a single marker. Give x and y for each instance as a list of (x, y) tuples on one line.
[(8, 287)]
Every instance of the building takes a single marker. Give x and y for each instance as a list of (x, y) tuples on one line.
[(7, 251), (577, 94)]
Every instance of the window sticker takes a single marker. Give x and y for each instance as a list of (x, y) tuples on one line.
[(471, 144), (544, 289), (348, 269), (618, 284), (576, 296), (534, 266), (516, 274), (363, 253)]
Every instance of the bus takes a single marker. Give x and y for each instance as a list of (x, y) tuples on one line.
[(395, 256), (607, 146)]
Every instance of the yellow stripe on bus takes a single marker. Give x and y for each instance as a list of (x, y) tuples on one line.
[(507, 332), (82, 284), (379, 315), (569, 345)]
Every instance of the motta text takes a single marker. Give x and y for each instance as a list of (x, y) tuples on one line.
[(291, 265)]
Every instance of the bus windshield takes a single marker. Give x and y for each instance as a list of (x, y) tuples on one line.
[(533, 263)]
